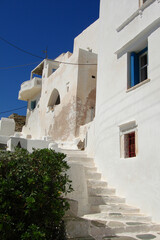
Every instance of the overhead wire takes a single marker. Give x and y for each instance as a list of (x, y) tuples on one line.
[(20, 49), (23, 65), (32, 54), (14, 109)]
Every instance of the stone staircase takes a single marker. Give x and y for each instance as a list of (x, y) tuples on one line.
[(109, 216)]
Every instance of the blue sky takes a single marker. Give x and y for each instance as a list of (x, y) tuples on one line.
[(34, 25)]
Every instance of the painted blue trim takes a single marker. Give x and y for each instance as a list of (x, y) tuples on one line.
[(134, 69), (142, 51)]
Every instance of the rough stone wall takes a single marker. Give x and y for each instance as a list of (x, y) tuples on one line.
[(19, 120)]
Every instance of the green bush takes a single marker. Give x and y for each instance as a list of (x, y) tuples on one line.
[(31, 189)]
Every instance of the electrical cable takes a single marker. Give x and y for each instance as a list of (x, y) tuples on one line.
[(24, 65), (2, 68), (20, 49), (13, 110), (78, 64)]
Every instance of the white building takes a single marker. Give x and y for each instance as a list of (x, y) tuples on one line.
[(127, 122), (124, 136), (61, 93)]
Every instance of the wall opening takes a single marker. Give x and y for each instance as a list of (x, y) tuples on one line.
[(54, 99), (128, 140)]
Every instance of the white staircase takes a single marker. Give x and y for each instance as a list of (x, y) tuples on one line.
[(117, 220)]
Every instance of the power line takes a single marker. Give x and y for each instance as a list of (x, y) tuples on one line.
[(78, 64), (24, 65), (20, 49), (14, 109)]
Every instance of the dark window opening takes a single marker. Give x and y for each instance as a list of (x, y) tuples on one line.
[(58, 100), (93, 76), (33, 105), (131, 144)]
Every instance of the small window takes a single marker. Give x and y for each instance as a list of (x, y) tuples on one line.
[(128, 140), (129, 145), (33, 105), (138, 67)]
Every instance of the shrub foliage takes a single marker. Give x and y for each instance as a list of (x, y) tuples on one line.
[(31, 189)]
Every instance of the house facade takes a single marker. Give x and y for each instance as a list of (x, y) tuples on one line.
[(61, 93), (112, 102), (127, 121)]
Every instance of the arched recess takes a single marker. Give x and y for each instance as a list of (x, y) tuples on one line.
[(54, 99)]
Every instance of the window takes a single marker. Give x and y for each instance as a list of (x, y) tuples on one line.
[(138, 67), (129, 145), (128, 140), (33, 104)]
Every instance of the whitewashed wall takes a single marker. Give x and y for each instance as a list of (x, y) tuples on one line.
[(137, 178)]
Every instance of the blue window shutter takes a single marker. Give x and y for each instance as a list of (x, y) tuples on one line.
[(134, 70)]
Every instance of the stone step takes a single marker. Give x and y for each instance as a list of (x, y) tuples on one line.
[(101, 191), (81, 228), (89, 165), (90, 168), (93, 175), (120, 227), (118, 216), (75, 153), (101, 200), (96, 183), (119, 208), (80, 159)]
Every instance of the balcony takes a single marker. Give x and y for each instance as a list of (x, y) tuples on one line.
[(30, 88)]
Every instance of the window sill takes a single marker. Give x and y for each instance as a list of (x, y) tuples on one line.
[(128, 158), (138, 85)]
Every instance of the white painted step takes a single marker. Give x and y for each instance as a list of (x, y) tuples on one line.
[(101, 191), (112, 207), (93, 175), (118, 216), (101, 200), (80, 159), (90, 168), (74, 153), (96, 183)]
